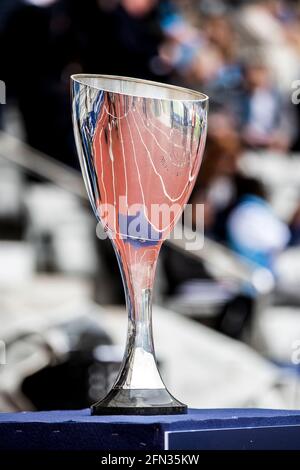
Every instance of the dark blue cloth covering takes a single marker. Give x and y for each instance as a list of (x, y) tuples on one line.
[(79, 431)]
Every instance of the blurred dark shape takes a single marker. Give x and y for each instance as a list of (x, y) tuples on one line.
[(72, 374), (37, 50), (13, 218), (108, 285), (178, 270), (116, 41), (6, 7), (295, 228), (235, 317), (296, 146)]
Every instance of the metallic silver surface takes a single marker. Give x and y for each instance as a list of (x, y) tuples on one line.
[(140, 146)]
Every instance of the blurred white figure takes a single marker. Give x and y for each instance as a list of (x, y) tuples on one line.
[(256, 232)]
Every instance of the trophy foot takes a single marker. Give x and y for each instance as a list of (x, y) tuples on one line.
[(121, 401)]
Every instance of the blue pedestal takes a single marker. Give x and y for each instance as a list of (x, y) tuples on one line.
[(230, 429)]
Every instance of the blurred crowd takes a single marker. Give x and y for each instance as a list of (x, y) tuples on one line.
[(244, 54)]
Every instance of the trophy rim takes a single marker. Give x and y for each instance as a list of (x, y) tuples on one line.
[(192, 95)]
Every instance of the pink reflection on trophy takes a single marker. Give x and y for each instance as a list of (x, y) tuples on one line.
[(142, 157)]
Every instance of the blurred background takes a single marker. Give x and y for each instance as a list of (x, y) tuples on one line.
[(226, 317)]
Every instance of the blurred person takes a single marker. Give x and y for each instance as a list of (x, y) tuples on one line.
[(216, 183), (266, 119), (223, 148), (254, 230), (117, 37), (204, 67), (209, 57), (227, 193), (263, 27), (219, 31), (182, 39)]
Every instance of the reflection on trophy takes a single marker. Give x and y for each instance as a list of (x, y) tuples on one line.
[(140, 146)]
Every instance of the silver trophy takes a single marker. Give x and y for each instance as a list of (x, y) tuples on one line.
[(140, 146)]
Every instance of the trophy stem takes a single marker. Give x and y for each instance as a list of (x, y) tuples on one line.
[(139, 388)]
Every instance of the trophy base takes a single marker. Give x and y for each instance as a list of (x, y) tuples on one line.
[(121, 401)]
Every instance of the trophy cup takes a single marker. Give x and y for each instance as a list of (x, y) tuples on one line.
[(140, 146)]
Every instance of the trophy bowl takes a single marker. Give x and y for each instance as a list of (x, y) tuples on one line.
[(140, 146)]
